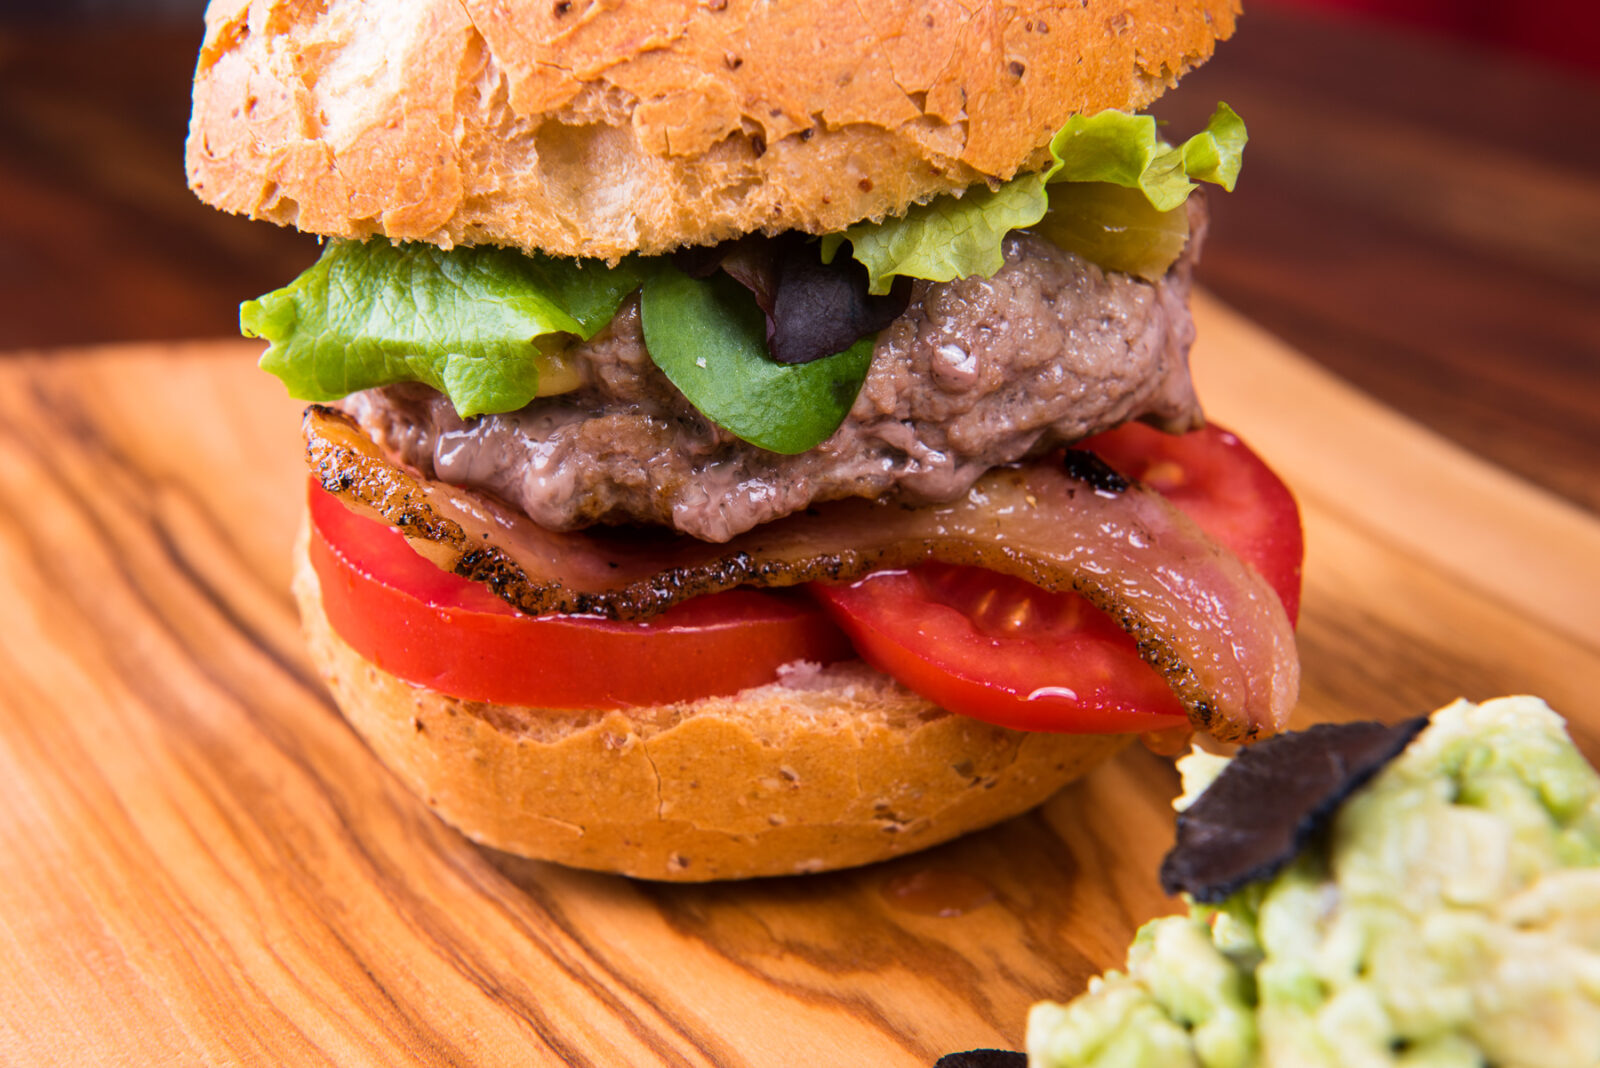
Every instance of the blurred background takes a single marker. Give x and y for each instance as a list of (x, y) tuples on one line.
[(1567, 31), (1419, 210)]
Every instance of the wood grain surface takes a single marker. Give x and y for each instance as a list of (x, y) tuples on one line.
[(200, 863)]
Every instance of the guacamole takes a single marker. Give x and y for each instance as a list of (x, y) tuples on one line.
[(1448, 916)]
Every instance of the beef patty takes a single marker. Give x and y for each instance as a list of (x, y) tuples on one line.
[(976, 373)]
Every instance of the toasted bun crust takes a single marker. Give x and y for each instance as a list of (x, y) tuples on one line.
[(597, 129), (837, 767)]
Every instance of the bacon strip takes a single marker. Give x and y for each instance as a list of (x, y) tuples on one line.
[(1205, 620)]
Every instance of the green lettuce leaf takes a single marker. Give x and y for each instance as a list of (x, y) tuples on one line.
[(1125, 150), (954, 237), (945, 238), (473, 323), (709, 337)]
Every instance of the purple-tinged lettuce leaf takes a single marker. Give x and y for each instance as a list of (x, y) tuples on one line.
[(819, 309), (813, 309), (708, 337)]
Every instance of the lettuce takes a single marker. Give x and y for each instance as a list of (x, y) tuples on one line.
[(474, 323), (479, 323), (945, 238), (708, 336), (954, 237)]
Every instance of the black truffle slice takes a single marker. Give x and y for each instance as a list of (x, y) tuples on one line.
[(1271, 799), (983, 1058)]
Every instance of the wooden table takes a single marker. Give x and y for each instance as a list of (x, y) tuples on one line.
[(200, 864)]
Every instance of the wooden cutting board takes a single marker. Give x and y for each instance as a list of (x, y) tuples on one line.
[(199, 863)]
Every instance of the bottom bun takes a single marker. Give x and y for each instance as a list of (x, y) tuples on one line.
[(828, 767)]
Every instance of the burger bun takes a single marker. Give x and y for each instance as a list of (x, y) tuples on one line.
[(659, 125)]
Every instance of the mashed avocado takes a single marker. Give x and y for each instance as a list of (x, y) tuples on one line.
[(1449, 916)]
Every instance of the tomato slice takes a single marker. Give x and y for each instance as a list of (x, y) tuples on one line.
[(436, 629), (998, 649)]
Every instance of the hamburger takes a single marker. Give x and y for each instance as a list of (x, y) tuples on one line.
[(736, 428)]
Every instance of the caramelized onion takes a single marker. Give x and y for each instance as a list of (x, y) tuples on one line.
[(1204, 619)]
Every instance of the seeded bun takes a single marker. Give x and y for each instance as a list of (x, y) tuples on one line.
[(829, 768), (585, 129)]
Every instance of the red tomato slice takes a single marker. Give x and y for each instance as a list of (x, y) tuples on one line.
[(439, 630), (998, 649)]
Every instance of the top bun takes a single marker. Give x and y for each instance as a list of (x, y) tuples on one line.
[(603, 127)]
